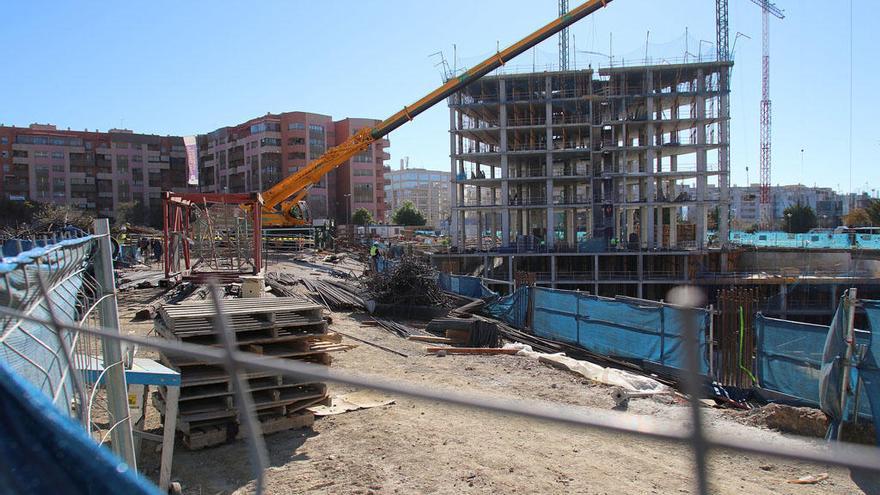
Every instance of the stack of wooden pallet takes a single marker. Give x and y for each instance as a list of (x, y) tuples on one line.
[(284, 327)]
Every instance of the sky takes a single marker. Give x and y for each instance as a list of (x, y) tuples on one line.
[(181, 68)]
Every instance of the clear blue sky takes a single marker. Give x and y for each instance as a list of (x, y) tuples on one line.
[(189, 67)]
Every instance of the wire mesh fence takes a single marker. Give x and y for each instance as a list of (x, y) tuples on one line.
[(58, 281), (58, 321)]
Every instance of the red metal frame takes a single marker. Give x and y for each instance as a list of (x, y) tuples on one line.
[(176, 211)]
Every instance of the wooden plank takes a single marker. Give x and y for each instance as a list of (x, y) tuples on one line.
[(430, 339), (472, 350)]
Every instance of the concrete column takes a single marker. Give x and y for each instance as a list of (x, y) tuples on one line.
[(673, 227), (651, 157), (453, 191), (553, 271), (702, 211), (505, 185), (510, 269), (724, 157), (548, 170)]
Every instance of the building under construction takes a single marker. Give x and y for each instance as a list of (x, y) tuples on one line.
[(581, 159)]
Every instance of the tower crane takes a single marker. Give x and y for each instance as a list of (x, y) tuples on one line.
[(765, 144)]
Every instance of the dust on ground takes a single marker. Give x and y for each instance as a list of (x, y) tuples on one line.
[(416, 446)]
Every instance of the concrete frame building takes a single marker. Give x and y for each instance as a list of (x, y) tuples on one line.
[(566, 157), (428, 190), (93, 170), (256, 154)]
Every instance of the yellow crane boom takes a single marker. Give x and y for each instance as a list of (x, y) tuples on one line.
[(288, 192)]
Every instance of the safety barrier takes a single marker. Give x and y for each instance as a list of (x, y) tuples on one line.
[(67, 280), (464, 285), (632, 329), (809, 240)]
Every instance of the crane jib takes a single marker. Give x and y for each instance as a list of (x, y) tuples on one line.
[(485, 67)]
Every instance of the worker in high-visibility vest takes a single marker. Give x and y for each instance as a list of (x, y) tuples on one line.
[(374, 256)]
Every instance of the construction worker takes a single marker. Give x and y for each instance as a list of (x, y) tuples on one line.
[(374, 256)]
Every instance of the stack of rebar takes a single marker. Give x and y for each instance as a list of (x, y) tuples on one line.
[(332, 294)]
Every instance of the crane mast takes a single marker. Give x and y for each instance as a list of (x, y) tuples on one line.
[(284, 196), (765, 141)]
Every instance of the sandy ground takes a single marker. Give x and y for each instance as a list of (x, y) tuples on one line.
[(413, 446)]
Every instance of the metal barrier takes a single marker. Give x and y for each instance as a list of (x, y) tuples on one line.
[(67, 283)]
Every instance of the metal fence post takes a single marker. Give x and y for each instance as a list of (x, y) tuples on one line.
[(122, 442)]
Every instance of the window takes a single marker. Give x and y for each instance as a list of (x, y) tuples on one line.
[(270, 142), (4, 154), (58, 155), (41, 154), (122, 163), (363, 193), (58, 167), (295, 126), (19, 154), (4, 140), (296, 155), (364, 157), (295, 141), (319, 129), (265, 127), (121, 146), (363, 172), (137, 158)]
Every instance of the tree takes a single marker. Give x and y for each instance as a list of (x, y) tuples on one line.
[(857, 217), (873, 211), (362, 217), (798, 219), (408, 215)]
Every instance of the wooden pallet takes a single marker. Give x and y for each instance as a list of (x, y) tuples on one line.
[(283, 399), (218, 434), (196, 317), (282, 328)]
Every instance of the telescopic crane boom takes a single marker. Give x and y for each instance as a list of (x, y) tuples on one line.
[(281, 201)]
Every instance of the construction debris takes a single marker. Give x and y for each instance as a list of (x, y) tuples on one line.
[(471, 332), (407, 282), (289, 328), (362, 399)]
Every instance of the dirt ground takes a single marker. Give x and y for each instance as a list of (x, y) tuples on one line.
[(413, 446)]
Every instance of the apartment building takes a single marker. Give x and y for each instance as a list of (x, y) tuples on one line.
[(428, 190), (255, 155), (745, 204), (93, 170), (619, 155)]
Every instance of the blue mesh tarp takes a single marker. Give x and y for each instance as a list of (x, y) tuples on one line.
[(788, 358), (464, 285), (833, 355), (512, 308), (789, 361), (869, 364), (44, 451), (639, 330)]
